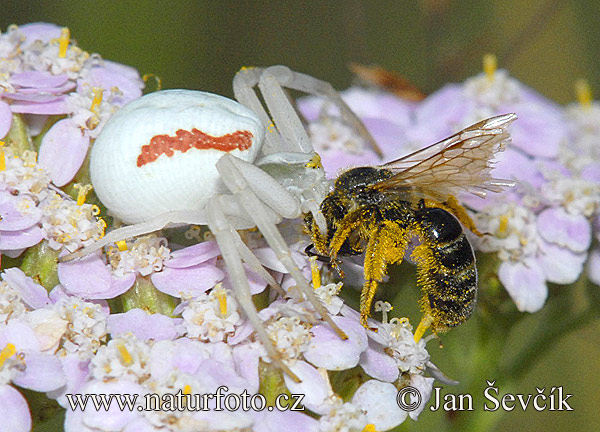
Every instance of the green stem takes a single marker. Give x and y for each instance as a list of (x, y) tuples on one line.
[(145, 296)]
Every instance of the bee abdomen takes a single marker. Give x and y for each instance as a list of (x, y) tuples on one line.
[(447, 272)]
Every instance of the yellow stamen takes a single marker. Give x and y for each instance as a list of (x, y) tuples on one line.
[(423, 326), (8, 351), (271, 127), (98, 92), (63, 42), (122, 245), (490, 64), (125, 355), (316, 273), (369, 428), (221, 295), (583, 92), (187, 389), (156, 79), (82, 191), (2, 157), (503, 226), (315, 162)]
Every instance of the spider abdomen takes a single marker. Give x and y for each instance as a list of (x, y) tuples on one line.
[(446, 268), (158, 153)]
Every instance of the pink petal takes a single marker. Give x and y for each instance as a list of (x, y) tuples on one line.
[(34, 96), (288, 421), (257, 284), (379, 365), (557, 226), (90, 278), (114, 419), (14, 410), (196, 279), (33, 295), (5, 118), (193, 255), (19, 333), (12, 219), (63, 150), (49, 108), (594, 267), (143, 325), (41, 31), (525, 283), (11, 240), (38, 79), (131, 88), (539, 130), (43, 373), (329, 351)]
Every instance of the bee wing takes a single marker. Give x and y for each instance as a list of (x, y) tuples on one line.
[(460, 162)]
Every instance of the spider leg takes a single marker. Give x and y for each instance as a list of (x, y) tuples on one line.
[(191, 217), (271, 82), (227, 203), (223, 232), (238, 177)]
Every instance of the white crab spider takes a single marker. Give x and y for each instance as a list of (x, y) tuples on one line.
[(189, 157)]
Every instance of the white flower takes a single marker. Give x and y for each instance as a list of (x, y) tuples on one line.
[(123, 357), (146, 255), (513, 228), (332, 134), (212, 317), (70, 225), (493, 91), (86, 328), (11, 305), (290, 335)]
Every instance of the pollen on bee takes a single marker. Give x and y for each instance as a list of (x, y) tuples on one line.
[(185, 140)]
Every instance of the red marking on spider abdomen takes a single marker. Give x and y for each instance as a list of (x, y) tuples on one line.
[(185, 140)]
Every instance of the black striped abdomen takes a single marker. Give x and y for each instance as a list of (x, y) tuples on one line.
[(446, 268)]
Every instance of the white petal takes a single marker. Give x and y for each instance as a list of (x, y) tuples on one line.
[(425, 387), (328, 351), (14, 411), (378, 400), (560, 265), (526, 284), (314, 387)]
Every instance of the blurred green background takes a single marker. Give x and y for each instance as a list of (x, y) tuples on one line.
[(201, 44)]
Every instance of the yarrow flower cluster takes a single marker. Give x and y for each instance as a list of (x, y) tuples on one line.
[(174, 324)]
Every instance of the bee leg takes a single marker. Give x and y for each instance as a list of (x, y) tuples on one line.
[(452, 206), (425, 323), (387, 244)]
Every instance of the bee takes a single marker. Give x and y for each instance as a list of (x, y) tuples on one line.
[(378, 210)]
